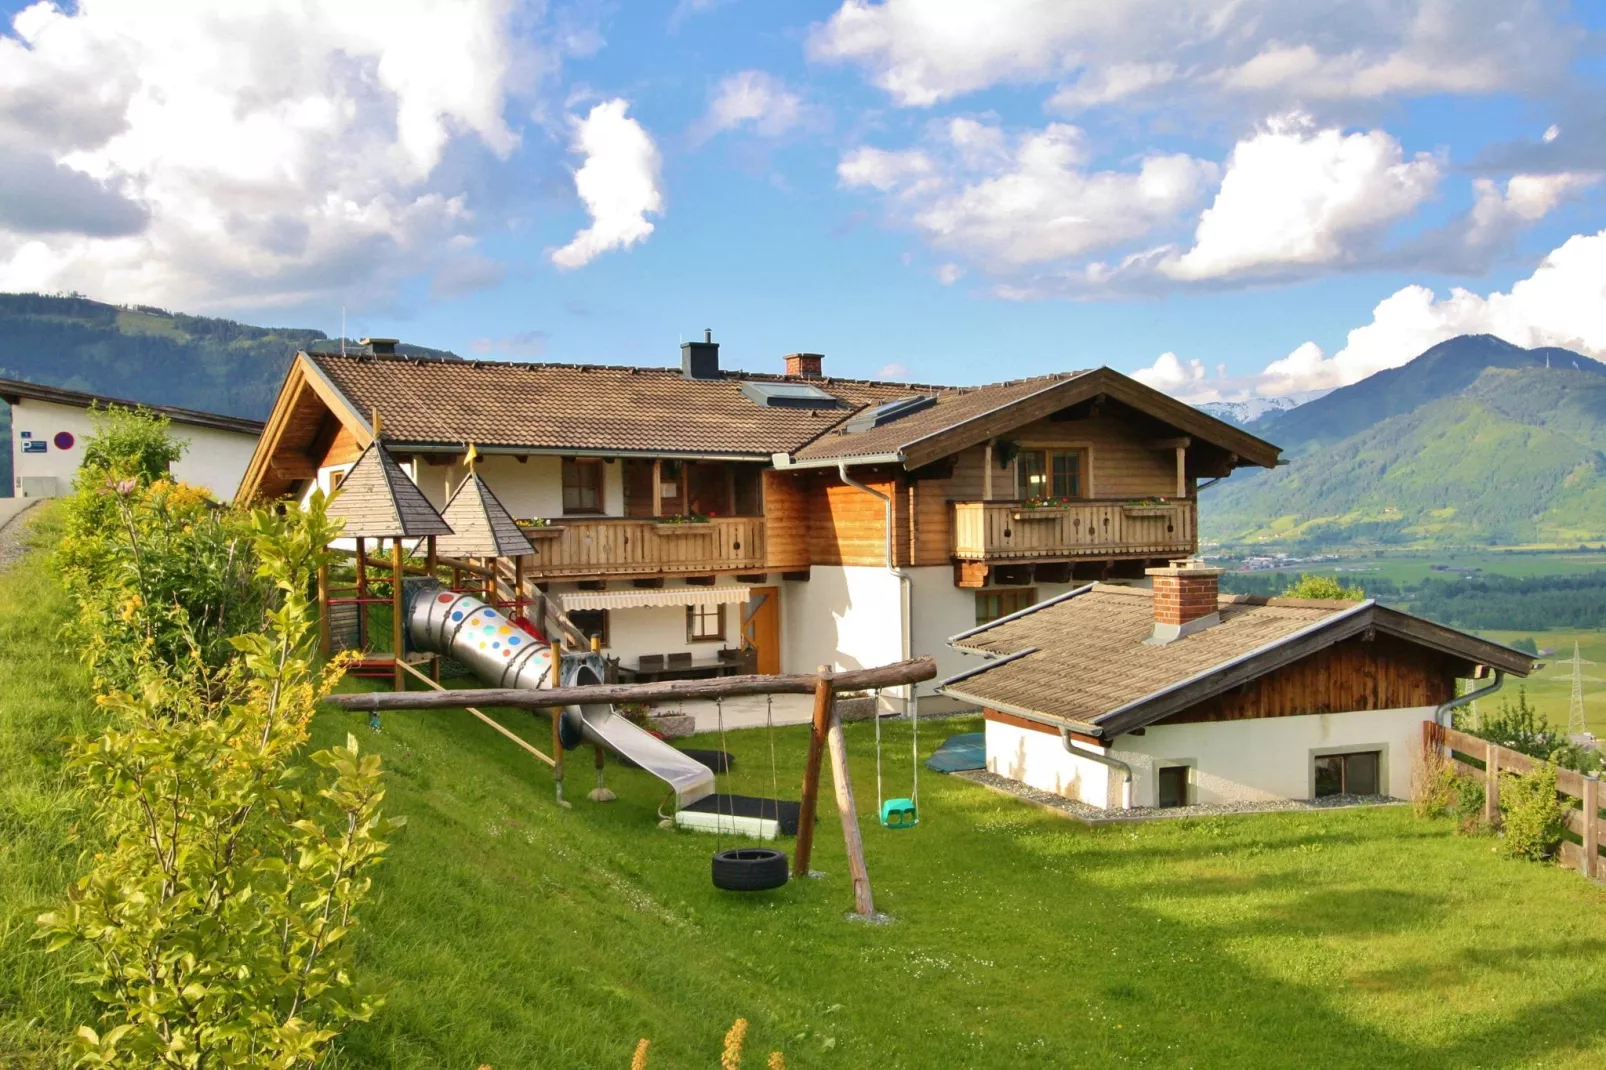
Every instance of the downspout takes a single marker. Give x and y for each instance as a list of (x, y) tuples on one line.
[(905, 584), (1103, 759), (1441, 713)]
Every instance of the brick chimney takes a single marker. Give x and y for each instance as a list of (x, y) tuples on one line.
[(1184, 599), (804, 365)]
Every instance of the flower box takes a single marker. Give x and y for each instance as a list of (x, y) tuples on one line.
[(542, 531), (1048, 512), (688, 528), (1147, 510)]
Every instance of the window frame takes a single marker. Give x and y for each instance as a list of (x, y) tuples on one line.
[(603, 631), (1001, 593), (1187, 784), (1377, 751), (695, 613), (575, 465), (1048, 455)]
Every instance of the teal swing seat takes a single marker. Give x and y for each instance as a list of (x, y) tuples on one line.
[(899, 814)]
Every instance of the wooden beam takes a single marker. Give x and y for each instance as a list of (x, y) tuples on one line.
[(863, 901), (657, 486), (649, 583), (435, 685), (987, 471), (803, 850), (700, 581), (1180, 443), (1591, 836), (970, 574), (397, 624), (1182, 470), (323, 610), (912, 671)]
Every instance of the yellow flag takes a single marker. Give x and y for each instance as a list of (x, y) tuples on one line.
[(471, 457)]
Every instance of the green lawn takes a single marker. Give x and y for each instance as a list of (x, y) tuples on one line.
[(517, 935)]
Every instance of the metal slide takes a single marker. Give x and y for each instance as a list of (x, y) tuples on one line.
[(502, 654)]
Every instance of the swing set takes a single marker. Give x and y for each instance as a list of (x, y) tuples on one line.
[(740, 868)]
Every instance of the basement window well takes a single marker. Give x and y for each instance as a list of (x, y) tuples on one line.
[(1348, 774)]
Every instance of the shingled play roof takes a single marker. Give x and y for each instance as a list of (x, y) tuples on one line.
[(378, 501), (1082, 661), (481, 524)]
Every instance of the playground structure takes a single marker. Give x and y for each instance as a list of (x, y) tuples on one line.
[(458, 592)]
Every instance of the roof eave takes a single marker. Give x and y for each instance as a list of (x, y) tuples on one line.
[(783, 461)]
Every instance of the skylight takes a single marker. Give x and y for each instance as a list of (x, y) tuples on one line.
[(789, 396), (888, 411)]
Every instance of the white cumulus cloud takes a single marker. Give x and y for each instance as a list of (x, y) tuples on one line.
[(1297, 195), (923, 52), (619, 183), (1010, 201), (253, 153)]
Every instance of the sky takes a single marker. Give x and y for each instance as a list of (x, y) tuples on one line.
[(1226, 198)]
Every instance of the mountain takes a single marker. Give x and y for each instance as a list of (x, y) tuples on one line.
[(1438, 372), (1252, 409), (1482, 444), (146, 354)]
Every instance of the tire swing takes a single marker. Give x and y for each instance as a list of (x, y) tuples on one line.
[(748, 869)]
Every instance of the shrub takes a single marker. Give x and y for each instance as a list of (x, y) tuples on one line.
[(129, 443), (1469, 799), (1433, 788), (216, 927), (1532, 817), (1521, 728), (1310, 586)]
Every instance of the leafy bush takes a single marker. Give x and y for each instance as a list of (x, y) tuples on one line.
[(135, 443), (1532, 817), (216, 927), (1522, 728), (1314, 586), (1469, 799)]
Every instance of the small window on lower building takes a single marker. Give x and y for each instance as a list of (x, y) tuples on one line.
[(705, 624), (990, 605), (593, 623), (1348, 774), (1173, 782)]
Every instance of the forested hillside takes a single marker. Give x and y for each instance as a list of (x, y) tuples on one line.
[(145, 354), (1514, 453)]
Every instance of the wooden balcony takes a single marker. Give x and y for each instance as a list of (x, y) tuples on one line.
[(583, 547), (999, 531)]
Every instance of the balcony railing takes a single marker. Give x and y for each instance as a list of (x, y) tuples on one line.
[(603, 546), (1004, 531)]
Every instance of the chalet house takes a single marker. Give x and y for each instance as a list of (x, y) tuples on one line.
[(49, 427), (811, 519), (1171, 695)]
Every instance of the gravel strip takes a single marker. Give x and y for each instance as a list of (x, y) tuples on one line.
[(1093, 815), (14, 538)]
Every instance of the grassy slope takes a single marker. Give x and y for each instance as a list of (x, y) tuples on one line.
[(517, 935)]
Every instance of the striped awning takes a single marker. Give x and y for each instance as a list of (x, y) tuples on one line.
[(660, 596)]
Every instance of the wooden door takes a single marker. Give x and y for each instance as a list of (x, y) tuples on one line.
[(761, 628)]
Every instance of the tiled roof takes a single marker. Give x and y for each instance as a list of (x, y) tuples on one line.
[(952, 407), (566, 406), (13, 389), (1082, 659), (481, 524), (1092, 659), (378, 501)]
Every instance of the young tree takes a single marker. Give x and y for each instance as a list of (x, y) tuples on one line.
[(1311, 586)]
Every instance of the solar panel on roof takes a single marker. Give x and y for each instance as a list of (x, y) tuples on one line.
[(789, 396)]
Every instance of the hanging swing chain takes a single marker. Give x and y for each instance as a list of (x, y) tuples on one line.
[(722, 761), (875, 713), (775, 781)]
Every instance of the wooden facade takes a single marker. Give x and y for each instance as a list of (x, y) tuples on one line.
[(1356, 674)]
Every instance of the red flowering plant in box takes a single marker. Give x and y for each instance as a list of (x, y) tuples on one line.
[(1046, 502)]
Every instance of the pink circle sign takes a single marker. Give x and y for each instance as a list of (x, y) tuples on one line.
[(64, 440)]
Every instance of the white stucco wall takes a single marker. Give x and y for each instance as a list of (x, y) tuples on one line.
[(1232, 761), (215, 459), (844, 616)]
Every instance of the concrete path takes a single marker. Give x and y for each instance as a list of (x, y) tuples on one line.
[(13, 528), (747, 711)]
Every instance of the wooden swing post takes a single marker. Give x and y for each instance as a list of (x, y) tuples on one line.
[(397, 625), (863, 903), (824, 699)]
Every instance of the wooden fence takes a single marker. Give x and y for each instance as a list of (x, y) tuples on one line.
[(1582, 793)]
